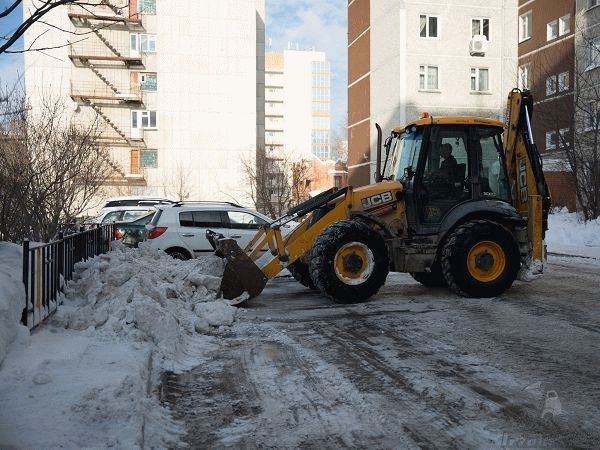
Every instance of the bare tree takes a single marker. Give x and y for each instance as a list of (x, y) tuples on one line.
[(567, 109), (55, 169), (339, 140), (36, 13), (276, 181), (178, 184)]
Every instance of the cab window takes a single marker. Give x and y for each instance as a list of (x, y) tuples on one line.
[(494, 182)]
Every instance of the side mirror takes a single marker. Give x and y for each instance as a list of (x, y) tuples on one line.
[(409, 173)]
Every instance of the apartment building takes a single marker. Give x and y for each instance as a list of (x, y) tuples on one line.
[(547, 67), (177, 86), (457, 57), (297, 103)]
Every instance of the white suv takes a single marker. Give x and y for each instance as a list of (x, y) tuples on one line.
[(180, 229)]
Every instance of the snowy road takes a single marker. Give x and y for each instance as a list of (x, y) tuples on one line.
[(412, 368)]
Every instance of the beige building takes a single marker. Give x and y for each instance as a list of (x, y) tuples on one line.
[(297, 103), (177, 85), (457, 57)]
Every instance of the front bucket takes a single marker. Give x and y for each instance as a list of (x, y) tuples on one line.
[(241, 274)]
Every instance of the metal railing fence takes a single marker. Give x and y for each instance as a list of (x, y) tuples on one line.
[(47, 268)]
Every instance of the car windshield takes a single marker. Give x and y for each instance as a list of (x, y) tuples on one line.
[(404, 153), (144, 220)]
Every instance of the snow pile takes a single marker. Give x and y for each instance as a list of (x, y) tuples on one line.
[(12, 294), (143, 295), (569, 235)]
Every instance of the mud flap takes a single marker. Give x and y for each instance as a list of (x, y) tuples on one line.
[(241, 274)]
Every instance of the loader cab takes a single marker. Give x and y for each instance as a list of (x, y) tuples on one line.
[(444, 164)]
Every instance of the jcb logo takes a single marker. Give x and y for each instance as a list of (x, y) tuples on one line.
[(522, 181), (376, 200)]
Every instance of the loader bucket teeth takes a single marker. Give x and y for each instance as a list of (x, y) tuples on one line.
[(241, 274)]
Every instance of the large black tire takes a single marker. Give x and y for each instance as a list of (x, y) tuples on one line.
[(300, 272), (349, 262), (433, 278), (480, 258)]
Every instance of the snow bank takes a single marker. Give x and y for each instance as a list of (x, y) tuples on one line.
[(12, 294), (567, 234), (144, 295)]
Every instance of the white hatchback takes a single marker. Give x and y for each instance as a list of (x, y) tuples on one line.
[(180, 229)]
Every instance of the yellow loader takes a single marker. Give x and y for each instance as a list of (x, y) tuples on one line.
[(457, 201)]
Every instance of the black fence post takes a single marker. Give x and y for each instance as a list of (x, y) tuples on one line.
[(25, 280)]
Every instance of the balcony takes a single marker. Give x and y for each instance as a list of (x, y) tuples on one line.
[(106, 94), (97, 54)]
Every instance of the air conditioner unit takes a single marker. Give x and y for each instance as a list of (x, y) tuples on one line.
[(477, 45)]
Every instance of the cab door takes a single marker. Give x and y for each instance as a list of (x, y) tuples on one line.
[(443, 179)]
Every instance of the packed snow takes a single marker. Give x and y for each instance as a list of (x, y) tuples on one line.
[(89, 376)]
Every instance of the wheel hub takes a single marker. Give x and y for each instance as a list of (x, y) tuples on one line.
[(486, 261), (354, 263)]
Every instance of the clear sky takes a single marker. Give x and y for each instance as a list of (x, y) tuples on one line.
[(308, 23), (319, 24)]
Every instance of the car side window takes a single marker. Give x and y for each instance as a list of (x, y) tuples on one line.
[(245, 221), (201, 219)]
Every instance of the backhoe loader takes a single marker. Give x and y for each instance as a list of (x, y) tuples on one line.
[(457, 201)]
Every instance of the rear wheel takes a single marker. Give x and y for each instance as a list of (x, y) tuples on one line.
[(349, 262), (301, 273), (433, 278), (178, 253), (480, 259)]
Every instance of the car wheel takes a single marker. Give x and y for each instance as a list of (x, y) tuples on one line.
[(349, 262), (480, 258), (178, 253)]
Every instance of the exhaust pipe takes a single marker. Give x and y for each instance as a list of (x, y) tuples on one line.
[(378, 176)]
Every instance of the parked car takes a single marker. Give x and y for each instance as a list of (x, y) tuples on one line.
[(180, 230), (121, 203), (122, 214), (132, 233)]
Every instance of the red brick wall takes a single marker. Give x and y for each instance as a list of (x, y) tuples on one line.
[(562, 189)]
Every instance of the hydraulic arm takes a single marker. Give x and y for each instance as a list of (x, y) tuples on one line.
[(529, 190)]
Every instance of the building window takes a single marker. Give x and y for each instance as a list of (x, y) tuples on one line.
[(592, 53), (480, 80), (148, 43), (551, 85), (143, 119), (147, 6), (525, 76), (563, 81), (428, 26), (564, 25), (550, 140), (148, 81), (552, 30), (592, 3), (149, 158), (590, 121), (525, 26), (563, 137), (428, 77), (480, 27)]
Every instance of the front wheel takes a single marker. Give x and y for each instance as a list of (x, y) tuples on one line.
[(349, 262), (301, 273), (480, 258)]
